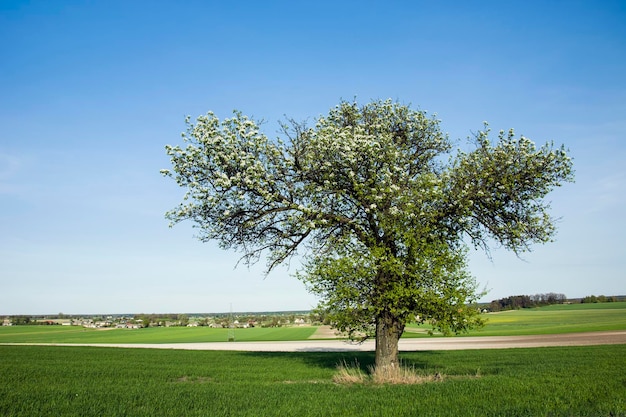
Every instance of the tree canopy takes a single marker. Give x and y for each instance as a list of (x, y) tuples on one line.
[(377, 200)]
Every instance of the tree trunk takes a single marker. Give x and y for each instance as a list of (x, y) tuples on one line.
[(388, 331)]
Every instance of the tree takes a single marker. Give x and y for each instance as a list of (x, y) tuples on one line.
[(378, 204), (183, 319)]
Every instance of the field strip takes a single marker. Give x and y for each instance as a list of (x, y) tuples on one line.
[(406, 345)]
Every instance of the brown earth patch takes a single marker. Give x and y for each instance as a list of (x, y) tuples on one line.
[(326, 332)]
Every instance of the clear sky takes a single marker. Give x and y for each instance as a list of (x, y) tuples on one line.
[(92, 91)]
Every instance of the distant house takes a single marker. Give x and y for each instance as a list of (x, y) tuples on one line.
[(7, 322), (127, 326)]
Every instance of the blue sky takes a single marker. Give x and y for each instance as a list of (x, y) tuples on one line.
[(91, 92)]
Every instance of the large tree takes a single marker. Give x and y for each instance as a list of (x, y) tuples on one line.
[(378, 202)]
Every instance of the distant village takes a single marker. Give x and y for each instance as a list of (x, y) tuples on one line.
[(127, 321), (265, 319)]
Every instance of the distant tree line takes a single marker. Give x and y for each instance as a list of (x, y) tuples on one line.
[(22, 320), (599, 299), (516, 302)]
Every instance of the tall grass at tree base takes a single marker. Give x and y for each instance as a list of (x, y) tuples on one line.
[(402, 374)]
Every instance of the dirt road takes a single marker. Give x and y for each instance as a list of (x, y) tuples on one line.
[(422, 344)]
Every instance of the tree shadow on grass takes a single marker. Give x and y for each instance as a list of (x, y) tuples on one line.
[(327, 360), (331, 360)]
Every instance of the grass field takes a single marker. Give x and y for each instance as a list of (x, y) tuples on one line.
[(84, 381), (90, 381), (544, 320), (557, 319), (75, 334), (565, 318)]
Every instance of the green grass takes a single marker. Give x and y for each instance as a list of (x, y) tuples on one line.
[(566, 318), (621, 305), (75, 334), (85, 381)]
